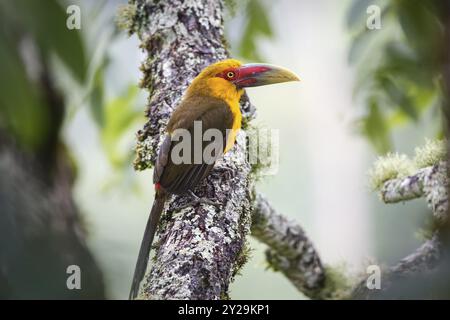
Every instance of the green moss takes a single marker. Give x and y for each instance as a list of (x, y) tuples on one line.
[(125, 17), (391, 166), (224, 296), (431, 153), (395, 165), (338, 284), (242, 259)]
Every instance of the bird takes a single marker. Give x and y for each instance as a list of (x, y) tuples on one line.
[(213, 101)]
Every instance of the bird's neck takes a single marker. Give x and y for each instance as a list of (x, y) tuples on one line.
[(224, 90), (217, 88)]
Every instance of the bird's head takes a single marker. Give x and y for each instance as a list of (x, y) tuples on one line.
[(227, 79)]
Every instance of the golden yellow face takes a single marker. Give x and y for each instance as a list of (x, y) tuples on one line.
[(215, 81), (218, 68), (227, 79)]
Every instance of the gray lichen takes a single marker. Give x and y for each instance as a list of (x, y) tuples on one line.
[(388, 167), (431, 153), (430, 182), (400, 179), (422, 261)]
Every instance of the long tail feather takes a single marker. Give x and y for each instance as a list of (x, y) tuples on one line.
[(149, 234)]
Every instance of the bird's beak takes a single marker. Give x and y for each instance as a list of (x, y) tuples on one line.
[(258, 74)]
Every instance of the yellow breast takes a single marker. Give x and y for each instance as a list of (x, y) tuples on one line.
[(226, 91), (237, 121)]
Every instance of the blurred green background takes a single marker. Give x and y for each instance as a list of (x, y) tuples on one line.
[(363, 93)]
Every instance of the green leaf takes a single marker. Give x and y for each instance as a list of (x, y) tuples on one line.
[(47, 22), (376, 129), (421, 28), (119, 116), (360, 44), (96, 96), (402, 61), (23, 112), (258, 25), (398, 95)]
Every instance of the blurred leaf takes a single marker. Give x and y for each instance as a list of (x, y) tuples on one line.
[(47, 22), (363, 39), (421, 28), (375, 128), (397, 95), (403, 62), (258, 25), (359, 44), (399, 68), (23, 112), (119, 115), (96, 96)]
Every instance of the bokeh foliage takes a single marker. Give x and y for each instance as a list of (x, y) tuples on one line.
[(257, 25), (399, 65), (31, 29), (35, 41)]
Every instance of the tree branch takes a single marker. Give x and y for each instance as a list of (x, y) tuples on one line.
[(290, 251), (399, 280), (430, 182)]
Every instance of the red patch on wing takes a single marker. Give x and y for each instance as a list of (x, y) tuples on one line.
[(157, 186)]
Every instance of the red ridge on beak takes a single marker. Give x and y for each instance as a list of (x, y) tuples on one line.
[(256, 74)]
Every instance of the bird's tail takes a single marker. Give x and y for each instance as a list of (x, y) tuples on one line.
[(149, 234)]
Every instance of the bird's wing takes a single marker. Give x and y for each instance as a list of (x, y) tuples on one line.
[(180, 177)]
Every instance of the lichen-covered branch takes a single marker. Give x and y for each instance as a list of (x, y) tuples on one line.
[(200, 248), (430, 182), (290, 251), (422, 262), (402, 279), (427, 256), (293, 254)]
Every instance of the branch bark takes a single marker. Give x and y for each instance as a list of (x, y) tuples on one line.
[(399, 281), (430, 182), (290, 251)]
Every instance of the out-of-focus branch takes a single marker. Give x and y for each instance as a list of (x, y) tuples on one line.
[(399, 281), (430, 182), (290, 251), (41, 229)]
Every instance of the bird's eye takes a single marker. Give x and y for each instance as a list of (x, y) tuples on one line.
[(230, 74)]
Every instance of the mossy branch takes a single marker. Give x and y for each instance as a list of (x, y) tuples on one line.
[(394, 178), (398, 178)]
